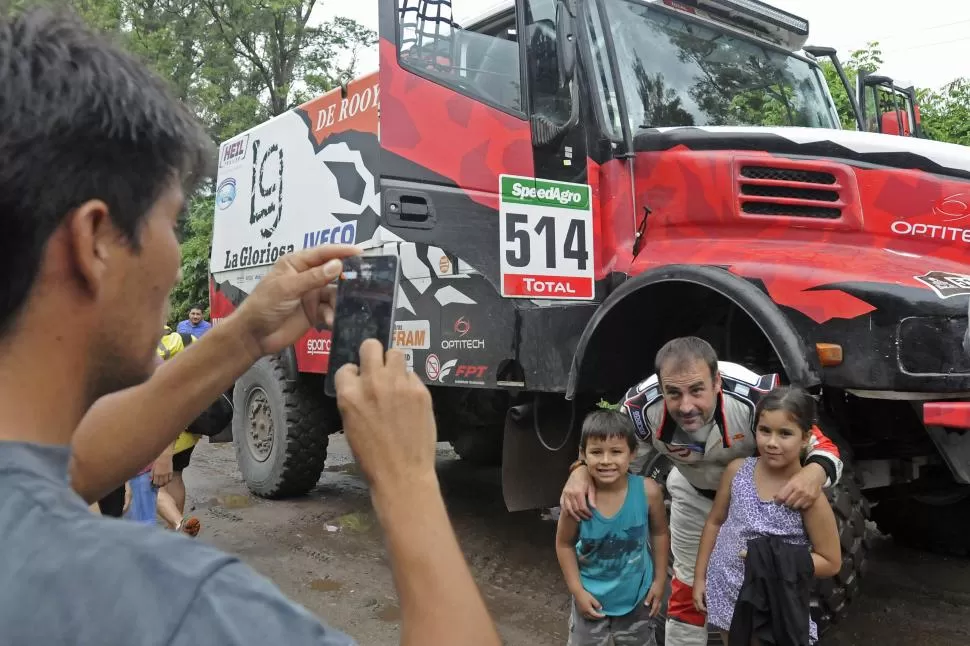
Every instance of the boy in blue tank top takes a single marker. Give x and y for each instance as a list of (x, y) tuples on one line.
[(617, 587)]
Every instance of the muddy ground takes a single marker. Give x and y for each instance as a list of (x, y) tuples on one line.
[(325, 551)]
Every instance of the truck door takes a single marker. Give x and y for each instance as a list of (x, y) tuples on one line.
[(887, 108), (466, 99)]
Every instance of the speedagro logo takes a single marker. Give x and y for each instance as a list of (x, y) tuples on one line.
[(553, 194)]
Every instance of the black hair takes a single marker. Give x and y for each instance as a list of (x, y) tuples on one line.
[(80, 119), (795, 401), (197, 306), (685, 350), (605, 423)]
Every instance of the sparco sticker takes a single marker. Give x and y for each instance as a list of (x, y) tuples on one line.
[(946, 284), (545, 239), (318, 346)]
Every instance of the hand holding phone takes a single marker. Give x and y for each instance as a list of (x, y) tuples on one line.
[(366, 302)]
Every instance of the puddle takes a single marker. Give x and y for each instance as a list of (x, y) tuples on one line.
[(350, 468), (390, 613), (356, 522), (235, 501), (325, 585)]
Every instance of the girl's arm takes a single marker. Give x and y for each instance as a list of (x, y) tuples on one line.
[(719, 513), (823, 533)]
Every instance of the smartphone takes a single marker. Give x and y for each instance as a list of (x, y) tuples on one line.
[(366, 302)]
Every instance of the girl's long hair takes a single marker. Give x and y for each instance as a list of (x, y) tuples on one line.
[(795, 401)]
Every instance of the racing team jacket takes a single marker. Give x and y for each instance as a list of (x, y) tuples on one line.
[(731, 430)]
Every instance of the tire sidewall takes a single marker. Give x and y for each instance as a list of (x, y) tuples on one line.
[(260, 476)]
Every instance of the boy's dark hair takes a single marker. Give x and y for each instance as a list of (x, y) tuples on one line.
[(80, 119), (603, 423), (793, 400), (683, 351), (197, 307)]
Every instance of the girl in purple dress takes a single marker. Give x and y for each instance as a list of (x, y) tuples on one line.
[(744, 508)]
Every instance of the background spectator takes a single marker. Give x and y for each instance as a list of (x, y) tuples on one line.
[(195, 325)]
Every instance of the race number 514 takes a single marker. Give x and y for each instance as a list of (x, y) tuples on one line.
[(546, 239)]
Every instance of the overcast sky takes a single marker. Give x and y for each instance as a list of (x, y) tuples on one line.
[(928, 47)]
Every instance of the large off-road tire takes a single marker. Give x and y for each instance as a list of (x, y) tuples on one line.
[(281, 429), (480, 446), (830, 597), (938, 523)]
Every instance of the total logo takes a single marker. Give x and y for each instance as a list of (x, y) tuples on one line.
[(318, 346)]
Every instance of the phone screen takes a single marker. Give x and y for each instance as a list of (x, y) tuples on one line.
[(366, 300)]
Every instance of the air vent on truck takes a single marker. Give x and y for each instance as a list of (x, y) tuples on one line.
[(790, 192)]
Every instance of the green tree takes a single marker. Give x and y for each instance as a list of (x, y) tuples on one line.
[(946, 112), (275, 45), (868, 59), (196, 247), (237, 63)]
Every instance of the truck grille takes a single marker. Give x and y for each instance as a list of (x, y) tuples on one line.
[(790, 192)]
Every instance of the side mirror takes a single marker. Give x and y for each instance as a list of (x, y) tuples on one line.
[(832, 54), (875, 79), (820, 52), (566, 40)]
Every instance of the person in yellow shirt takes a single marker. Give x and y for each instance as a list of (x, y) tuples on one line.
[(168, 475)]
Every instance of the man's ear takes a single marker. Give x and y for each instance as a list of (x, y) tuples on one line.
[(92, 238)]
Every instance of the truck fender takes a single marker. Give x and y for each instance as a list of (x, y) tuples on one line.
[(801, 366)]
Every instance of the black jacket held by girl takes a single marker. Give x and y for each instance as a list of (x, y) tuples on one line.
[(773, 603)]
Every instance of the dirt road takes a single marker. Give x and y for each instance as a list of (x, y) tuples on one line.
[(325, 551)]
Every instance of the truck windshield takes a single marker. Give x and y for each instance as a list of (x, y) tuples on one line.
[(676, 72)]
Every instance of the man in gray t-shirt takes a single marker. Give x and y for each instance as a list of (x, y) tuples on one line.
[(97, 160), (72, 577)]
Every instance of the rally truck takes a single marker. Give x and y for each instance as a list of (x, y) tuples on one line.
[(569, 184)]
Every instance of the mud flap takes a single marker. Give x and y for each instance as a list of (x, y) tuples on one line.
[(534, 470)]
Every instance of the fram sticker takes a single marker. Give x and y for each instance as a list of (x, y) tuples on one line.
[(945, 283), (412, 335)]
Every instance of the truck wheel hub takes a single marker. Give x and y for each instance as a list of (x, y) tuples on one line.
[(260, 433)]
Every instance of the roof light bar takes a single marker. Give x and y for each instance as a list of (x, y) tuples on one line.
[(752, 16), (767, 13)]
